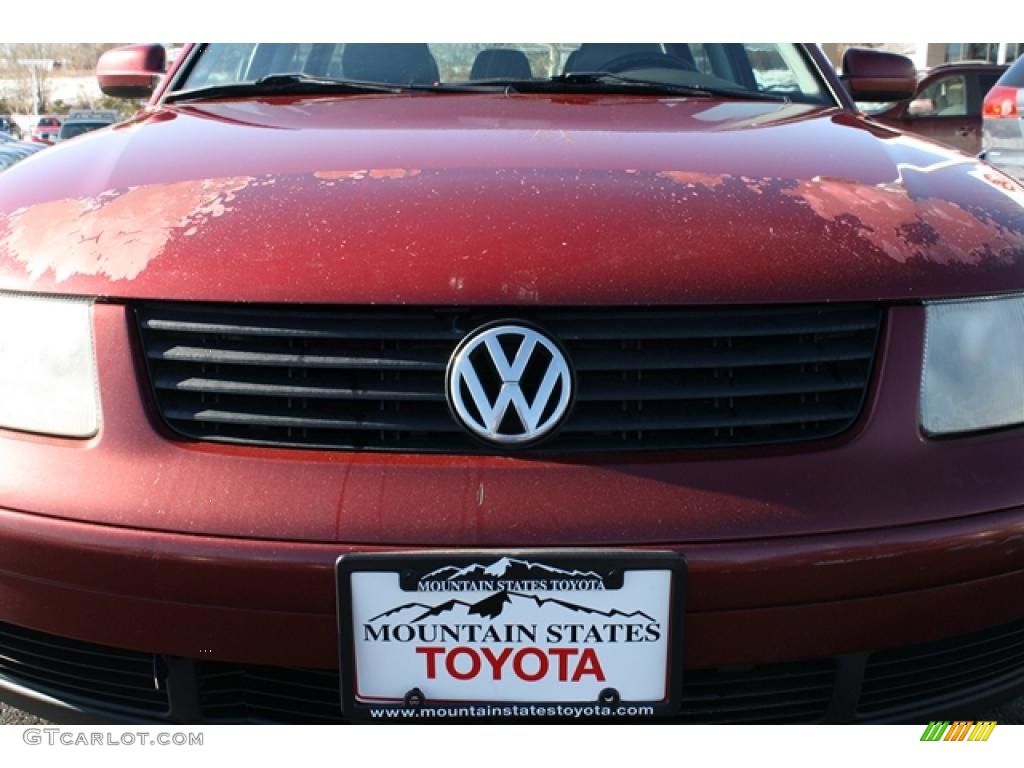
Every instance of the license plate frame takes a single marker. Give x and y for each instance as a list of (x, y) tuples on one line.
[(414, 568)]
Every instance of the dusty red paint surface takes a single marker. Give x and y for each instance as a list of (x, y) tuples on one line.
[(489, 199), (114, 235), (878, 538)]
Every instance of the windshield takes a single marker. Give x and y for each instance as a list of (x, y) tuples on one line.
[(778, 69)]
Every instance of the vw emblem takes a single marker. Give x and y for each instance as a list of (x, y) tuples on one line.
[(509, 384)]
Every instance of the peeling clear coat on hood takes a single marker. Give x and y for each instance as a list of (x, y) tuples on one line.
[(495, 199)]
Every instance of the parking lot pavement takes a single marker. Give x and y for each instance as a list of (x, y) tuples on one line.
[(12, 716), (1011, 713)]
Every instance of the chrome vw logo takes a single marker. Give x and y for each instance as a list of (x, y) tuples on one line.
[(509, 384)]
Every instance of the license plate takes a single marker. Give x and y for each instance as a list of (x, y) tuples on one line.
[(536, 634)]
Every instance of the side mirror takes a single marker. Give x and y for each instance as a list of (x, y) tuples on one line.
[(871, 75), (131, 71)]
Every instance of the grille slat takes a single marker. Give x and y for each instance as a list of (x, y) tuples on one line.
[(750, 685), (762, 710), (268, 388), (592, 325), (784, 693), (706, 325), (249, 693), (374, 378), (780, 353), (935, 685), (904, 678), (87, 691), (30, 657), (13, 637), (764, 699), (395, 422), (235, 355), (304, 327), (756, 384), (65, 674), (654, 418), (948, 661), (943, 652), (78, 671)]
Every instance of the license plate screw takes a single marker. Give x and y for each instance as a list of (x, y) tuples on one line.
[(609, 697), (414, 698)]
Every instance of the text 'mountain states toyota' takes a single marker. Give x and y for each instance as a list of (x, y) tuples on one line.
[(379, 382)]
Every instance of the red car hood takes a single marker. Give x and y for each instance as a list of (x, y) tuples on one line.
[(493, 199)]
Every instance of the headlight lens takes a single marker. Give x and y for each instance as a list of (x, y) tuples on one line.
[(973, 365), (47, 366)]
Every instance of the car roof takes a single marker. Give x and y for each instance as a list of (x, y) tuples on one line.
[(965, 65), (1014, 74)]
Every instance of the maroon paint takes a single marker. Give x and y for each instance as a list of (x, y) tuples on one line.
[(487, 199), (875, 539), (273, 603)]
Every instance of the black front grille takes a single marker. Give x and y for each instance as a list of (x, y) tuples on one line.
[(911, 676), (374, 379), (894, 685), (249, 693), (799, 692), (770, 693), (81, 672)]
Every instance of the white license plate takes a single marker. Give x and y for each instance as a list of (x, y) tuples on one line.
[(529, 627)]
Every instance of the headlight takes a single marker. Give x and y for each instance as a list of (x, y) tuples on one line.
[(973, 365), (47, 366)]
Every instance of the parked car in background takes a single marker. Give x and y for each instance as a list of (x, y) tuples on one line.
[(946, 106), (46, 129), (24, 148), (13, 151), (447, 374), (84, 121), (11, 128), (7, 159), (1002, 138), (9, 143)]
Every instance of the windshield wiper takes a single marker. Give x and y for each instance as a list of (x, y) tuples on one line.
[(576, 82), (282, 85), (610, 82)]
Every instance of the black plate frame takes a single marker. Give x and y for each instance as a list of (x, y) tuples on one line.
[(408, 564)]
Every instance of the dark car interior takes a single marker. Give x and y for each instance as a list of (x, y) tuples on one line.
[(762, 68)]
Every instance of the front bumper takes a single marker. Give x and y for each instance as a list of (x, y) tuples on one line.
[(193, 611)]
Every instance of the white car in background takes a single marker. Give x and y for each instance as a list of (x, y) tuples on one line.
[(1002, 130)]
